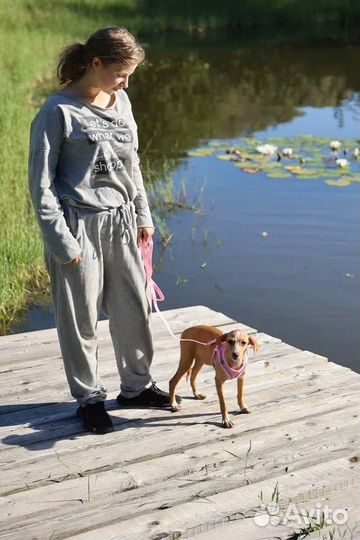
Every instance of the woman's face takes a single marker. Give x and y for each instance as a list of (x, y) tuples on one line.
[(111, 77)]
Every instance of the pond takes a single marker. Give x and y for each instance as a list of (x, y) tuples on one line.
[(280, 254)]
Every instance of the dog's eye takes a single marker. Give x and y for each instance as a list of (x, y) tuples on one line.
[(244, 343), (231, 342)]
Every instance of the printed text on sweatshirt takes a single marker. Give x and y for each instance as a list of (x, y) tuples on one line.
[(85, 156)]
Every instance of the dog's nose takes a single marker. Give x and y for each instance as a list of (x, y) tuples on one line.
[(235, 355)]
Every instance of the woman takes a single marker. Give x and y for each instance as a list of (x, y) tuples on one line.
[(88, 193)]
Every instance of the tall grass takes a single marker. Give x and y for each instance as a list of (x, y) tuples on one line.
[(28, 52)]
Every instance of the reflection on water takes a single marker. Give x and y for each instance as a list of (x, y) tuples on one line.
[(193, 93), (295, 282)]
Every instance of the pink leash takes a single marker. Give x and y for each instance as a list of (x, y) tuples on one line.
[(156, 293)]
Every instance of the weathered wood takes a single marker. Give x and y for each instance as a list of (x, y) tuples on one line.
[(272, 374), (90, 455), (23, 373), (189, 515), (236, 529), (59, 482), (178, 319), (212, 462), (287, 385), (164, 365)]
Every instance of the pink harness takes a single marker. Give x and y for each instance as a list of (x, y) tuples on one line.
[(219, 357)]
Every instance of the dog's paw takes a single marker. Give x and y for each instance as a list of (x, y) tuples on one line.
[(199, 396), (227, 423), (244, 410), (175, 408)]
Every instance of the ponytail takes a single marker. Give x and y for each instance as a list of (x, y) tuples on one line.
[(72, 63), (112, 44)]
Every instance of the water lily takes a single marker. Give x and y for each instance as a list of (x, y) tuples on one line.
[(287, 152), (342, 163), (266, 149), (335, 145), (356, 153)]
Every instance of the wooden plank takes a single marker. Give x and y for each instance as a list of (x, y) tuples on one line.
[(35, 414), (264, 384), (187, 517), (16, 370), (68, 483), (51, 388), (215, 475), (41, 353), (91, 454), (179, 319), (260, 390), (38, 362), (250, 529), (237, 460)]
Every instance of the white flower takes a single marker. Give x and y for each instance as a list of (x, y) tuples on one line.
[(356, 153), (287, 152), (335, 145), (342, 163), (266, 149)]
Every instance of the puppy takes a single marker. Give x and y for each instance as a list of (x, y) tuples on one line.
[(229, 361)]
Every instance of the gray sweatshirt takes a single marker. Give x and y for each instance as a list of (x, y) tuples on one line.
[(85, 156)]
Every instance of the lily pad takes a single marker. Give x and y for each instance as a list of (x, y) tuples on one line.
[(311, 157), (241, 164), (252, 170), (300, 171), (271, 165), (201, 152), (226, 157), (278, 174), (218, 143), (339, 183)]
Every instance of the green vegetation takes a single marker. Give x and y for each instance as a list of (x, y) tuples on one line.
[(34, 31), (310, 159), (154, 16)]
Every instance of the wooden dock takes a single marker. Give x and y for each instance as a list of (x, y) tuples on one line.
[(167, 476)]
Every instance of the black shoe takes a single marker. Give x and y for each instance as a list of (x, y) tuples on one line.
[(95, 418), (150, 397)]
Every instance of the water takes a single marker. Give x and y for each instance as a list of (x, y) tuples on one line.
[(301, 281)]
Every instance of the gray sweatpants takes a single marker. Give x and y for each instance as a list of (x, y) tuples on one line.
[(110, 277)]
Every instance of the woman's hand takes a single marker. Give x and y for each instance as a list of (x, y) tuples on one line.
[(75, 261), (144, 233)]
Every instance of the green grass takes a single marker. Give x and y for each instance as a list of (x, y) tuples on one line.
[(28, 53), (32, 34)]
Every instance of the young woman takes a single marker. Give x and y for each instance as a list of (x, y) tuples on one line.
[(88, 194)]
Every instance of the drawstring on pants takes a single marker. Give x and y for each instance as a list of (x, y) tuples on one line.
[(123, 217), (124, 214)]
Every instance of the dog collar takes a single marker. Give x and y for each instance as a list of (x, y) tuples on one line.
[(218, 356)]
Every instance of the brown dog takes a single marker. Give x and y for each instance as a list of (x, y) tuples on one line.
[(232, 364)]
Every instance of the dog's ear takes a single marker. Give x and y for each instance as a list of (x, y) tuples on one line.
[(255, 344), (220, 340)]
